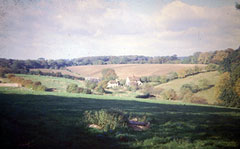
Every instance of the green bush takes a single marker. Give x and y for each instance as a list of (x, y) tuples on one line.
[(72, 88), (192, 87), (170, 94), (86, 91), (91, 84), (107, 119), (39, 88)]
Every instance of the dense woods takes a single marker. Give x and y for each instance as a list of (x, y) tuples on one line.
[(227, 88)]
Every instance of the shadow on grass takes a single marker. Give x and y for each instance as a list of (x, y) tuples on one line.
[(46, 121)]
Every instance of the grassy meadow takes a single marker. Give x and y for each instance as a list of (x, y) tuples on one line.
[(210, 77), (55, 120), (60, 84)]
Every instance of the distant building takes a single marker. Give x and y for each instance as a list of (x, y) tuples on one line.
[(92, 79), (113, 84), (131, 81)]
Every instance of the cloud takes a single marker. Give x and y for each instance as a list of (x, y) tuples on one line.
[(205, 28), (69, 29)]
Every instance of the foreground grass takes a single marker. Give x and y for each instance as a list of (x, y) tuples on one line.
[(54, 120)]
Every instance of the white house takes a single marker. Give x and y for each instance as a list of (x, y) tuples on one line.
[(112, 84), (133, 81)]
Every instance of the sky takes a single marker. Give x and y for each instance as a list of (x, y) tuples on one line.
[(66, 29)]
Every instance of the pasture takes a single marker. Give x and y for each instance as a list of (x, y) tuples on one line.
[(62, 71), (126, 70), (208, 94), (32, 119), (60, 84)]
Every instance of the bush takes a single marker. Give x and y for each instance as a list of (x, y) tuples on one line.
[(9, 76), (72, 88), (107, 119), (170, 95), (86, 91), (146, 95), (91, 84), (198, 100), (192, 87), (171, 76), (39, 88), (185, 94), (37, 83)]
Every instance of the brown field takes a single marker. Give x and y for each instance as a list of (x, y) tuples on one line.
[(64, 72), (125, 70)]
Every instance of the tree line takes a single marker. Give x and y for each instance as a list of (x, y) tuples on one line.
[(23, 66), (228, 87)]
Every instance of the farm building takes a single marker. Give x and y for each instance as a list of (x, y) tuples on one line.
[(133, 81), (113, 84), (92, 79)]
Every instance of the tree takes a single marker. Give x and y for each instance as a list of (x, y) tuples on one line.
[(220, 55), (109, 74), (182, 73), (204, 58), (72, 88), (237, 6), (170, 95), (237, 87), (222, 86)]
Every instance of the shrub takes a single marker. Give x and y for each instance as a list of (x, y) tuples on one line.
[(107, 119), (170, 95), (147, 88), (39, 88), (185, 94), (172, 76), (198, 100), (72, 88), (100, 89), (192, 87), (211, 67), (86, 91), (91, 84), (146, 95), (9, 76), (182, 73), (37, 83)]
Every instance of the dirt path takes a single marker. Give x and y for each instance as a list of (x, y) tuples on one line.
[(10, 85)]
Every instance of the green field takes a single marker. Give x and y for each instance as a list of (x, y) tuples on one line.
[(208, 94), (54, 120), (53, 82)]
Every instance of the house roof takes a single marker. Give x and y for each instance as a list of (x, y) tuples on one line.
[(112, 82)]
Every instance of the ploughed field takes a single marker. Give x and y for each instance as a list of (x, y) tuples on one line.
[(31, 119), (126, 70)]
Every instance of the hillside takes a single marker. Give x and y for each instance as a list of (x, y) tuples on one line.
[(125, 70), (208, 94), (63, 72)]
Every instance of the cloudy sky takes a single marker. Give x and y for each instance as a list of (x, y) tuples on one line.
[(56, 29)]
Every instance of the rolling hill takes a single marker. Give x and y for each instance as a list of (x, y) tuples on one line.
[(125, 70)]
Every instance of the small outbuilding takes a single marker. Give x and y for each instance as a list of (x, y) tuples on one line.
[(130, 81), (113, 84)]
